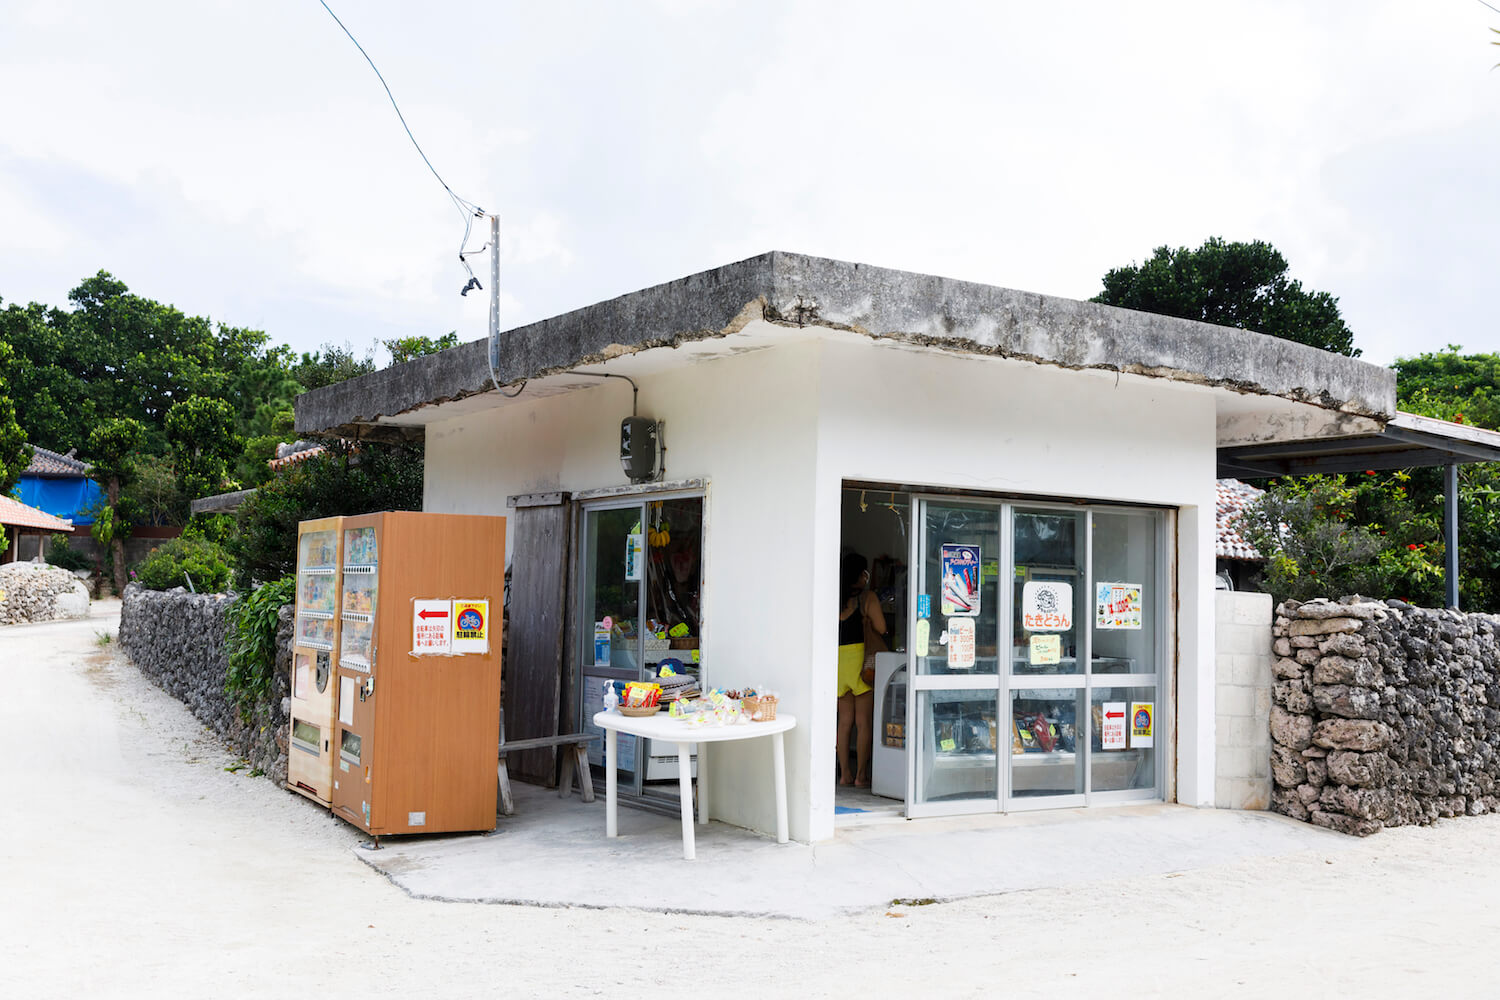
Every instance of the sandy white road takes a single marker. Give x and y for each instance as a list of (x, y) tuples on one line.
[(133, 863)]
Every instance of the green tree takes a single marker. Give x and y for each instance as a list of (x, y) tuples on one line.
[(1241, 285), (405, 349), (153, 492), (331, 364), (201, 433), (1329, 536), (1464, 389), (113, 445), (14, 454), (343, 480), (115, 354), (1453, 386)]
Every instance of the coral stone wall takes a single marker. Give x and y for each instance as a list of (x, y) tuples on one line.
[(1384, 714), (177, 639)]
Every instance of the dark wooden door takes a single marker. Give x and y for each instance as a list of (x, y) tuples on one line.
[(535, 629)]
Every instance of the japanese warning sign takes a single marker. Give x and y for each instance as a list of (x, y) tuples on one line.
[(1142, 721), (1112, 728), (471, 626), (431, 628)]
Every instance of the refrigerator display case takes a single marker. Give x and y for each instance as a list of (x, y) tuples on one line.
[(315, 648), (888, 755), (417, 734)]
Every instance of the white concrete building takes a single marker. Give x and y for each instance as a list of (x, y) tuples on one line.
[(941, 429)]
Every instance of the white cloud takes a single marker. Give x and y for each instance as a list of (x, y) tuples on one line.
[(244, 161)]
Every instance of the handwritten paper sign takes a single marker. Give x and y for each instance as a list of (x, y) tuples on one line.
[(961, 644)]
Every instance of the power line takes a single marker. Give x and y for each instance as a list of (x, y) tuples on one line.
[(466, 208)]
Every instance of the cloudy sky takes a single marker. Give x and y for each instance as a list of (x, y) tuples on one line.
[(241, 161)]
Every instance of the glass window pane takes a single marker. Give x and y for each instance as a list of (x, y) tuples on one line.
[(1123, 737), (611, 620), (1126, 593), (959, 733), (674, 581), (1049, 598), (1044, 751), (959, 591)]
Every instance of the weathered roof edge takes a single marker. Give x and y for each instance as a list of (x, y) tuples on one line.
[(797, 290)]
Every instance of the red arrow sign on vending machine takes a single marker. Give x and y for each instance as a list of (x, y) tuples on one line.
[(431, 628)]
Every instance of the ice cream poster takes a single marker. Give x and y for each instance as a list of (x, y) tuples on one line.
[(1117, 605), (960, 580)]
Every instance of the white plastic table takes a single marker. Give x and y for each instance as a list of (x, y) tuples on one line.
[(665, 729)]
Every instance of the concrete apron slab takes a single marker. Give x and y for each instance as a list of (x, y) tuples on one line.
[(553, 852)]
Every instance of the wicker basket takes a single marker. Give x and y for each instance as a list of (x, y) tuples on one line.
[(640, 713), (762, 709), (684, 642)]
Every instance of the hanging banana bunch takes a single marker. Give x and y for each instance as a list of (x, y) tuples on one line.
[(660, 534)]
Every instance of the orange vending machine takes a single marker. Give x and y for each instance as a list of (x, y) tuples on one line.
[(418, 701), (309, 766)]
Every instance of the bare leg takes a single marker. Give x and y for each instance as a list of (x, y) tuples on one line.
[(846, 723), (864, 720)]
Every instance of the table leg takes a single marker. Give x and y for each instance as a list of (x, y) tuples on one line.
[(778, 750), (611, 824), (685, 789), (702, 784)]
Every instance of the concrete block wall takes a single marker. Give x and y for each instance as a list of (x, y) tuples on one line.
[(1242, 711)]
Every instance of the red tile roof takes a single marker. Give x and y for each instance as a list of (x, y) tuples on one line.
[(1233, 497), (17, 514)]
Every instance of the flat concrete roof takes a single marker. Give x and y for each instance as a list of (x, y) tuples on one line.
[(812, 295)]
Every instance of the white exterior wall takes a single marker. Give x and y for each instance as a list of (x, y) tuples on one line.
[(776, 432), (747, 424)]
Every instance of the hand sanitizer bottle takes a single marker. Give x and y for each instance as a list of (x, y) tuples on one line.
[(611, 700)]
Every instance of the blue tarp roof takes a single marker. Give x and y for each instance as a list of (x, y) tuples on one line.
[(68, 497)]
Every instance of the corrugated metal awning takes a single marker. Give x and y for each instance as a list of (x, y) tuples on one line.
[(1408, 442)]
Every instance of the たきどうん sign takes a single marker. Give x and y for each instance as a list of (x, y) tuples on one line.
[(1047, 606)]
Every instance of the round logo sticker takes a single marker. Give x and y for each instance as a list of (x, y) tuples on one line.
[(1142, 719), (471, 620)]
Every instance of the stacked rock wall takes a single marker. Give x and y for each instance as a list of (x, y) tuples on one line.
[(37, 592), (1384, 714), (177, 639)]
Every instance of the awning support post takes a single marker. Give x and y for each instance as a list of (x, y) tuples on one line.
[(1450, 531)]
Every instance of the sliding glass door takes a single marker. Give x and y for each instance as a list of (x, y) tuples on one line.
[(638, 614), (1045, 691)]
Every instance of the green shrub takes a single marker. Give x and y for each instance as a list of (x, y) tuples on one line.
[(172, 563), (250, 640), (340, 481), (60, 553)]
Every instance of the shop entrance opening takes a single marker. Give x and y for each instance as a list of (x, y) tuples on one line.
[(877, 529)]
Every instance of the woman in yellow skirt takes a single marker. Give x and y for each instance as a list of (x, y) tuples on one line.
[(856, 719)]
